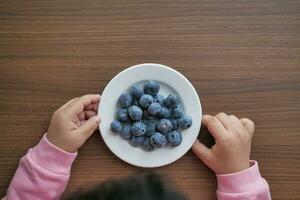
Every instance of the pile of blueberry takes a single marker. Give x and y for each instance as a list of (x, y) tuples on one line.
[(148, 119)]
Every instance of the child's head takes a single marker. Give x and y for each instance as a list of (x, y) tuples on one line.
[(145, 187)]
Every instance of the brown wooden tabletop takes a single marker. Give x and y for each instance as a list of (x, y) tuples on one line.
[(243, 57)]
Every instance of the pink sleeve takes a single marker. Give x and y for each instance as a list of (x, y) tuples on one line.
[(244, 185), (42, 174)]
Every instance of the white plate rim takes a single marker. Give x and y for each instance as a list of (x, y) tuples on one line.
[(196, 119)]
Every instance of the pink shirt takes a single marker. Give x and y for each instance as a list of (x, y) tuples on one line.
[(44, 171)]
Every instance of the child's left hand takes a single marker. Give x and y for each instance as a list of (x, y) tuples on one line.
[(73, 123)]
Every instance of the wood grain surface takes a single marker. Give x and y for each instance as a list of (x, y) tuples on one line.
[(242, 56)]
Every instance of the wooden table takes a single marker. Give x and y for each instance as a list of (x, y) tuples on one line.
[(243, 57)]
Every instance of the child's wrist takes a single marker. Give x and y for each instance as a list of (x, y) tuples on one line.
[(239, 167), (60, 144), (231, 167), (52, 158)]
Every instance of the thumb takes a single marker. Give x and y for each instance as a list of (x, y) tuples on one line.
[(248, 125), (89, 126), (202, 152)]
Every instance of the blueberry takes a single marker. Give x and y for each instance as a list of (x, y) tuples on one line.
[(125, 100), (174, 124), (176, 112), (147, 115), (126, 132), (151, 87), (158, 140), (164, 113), (135, 113), (174, 138), (146, 145), (154, 108), (146, 100), (185, 121), (172, 101), (136, 91), (138, 129), (137, 140), (164, 126), (136, 102), (150, 126), (122, 115), (116, 126), (159, 99)]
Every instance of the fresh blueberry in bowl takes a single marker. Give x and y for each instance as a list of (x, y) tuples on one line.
[(154, 108), (174, 138), (125, 100), (147, 115), (172, 101), (175, 125), (151, 87), (150, 126), (164, 113), (137, 141), (138, 129), (177, 112), (122, 115), (158, 140), (164, 126), (146, 145), (126, 132), (116, 126), (185, 122), (159, 99), (136, 91), (146, 100), (135, 113)]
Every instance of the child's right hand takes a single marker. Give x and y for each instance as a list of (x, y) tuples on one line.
[(231, 153)]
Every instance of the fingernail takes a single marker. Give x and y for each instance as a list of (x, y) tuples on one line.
[(97, 119)]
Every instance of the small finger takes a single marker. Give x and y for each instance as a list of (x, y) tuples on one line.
[(81, 116), (82, 122), (68, 103), (89, 107), (249, 125), (225, 120), (202, 152), (89, 113), (88, 127), (78, 105), (95, 107), (236, 121), (86, 114), (214, 126)]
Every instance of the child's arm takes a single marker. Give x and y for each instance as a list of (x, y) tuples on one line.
[(44, 171), (238, 177)]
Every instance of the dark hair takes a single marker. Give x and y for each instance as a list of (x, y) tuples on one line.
[(143, 187)]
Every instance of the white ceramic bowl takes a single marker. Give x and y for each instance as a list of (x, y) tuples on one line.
[(171, 82)]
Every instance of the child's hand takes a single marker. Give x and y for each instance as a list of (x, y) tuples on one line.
[(73, 123), (233, 137)]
